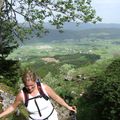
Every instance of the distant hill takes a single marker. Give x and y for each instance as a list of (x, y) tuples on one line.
[(82, 34), (83, 31), (83, 26)]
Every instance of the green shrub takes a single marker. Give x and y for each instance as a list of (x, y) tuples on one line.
[(104, 93)]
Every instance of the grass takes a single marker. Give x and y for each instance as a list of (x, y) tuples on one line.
[(6, 88)]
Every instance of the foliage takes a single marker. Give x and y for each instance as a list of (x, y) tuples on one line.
[(104, 93), (65, 68), (6, 88), (85, 110), (78, 59), (60, 11), (113, 69), (9, 72), (7, 40)]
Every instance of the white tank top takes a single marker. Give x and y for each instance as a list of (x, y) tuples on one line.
[(39, 104)]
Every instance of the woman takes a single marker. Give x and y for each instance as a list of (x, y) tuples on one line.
[(38, 104)]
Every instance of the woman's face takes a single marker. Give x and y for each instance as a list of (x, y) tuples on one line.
[(30, 86)]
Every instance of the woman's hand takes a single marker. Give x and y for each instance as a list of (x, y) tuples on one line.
[(72, 108)]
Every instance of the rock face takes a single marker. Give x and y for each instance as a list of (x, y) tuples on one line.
[(6, 99), (63, 113)]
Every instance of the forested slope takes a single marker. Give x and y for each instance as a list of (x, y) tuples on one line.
[(103, 95)]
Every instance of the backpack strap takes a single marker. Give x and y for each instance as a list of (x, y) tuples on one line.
[(25, 96), (40, 89)]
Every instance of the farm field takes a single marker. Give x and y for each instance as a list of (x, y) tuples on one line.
[(104, 48)]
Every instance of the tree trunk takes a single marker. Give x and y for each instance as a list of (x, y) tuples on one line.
[(1, 4)]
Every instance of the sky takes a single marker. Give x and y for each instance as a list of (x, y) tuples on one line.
[(108, 10)]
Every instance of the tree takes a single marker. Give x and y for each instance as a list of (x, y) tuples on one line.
[(35, 12), (7, 43), (104, 93)]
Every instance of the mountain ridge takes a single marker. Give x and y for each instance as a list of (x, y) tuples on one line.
[(82, 26), (72, 32)]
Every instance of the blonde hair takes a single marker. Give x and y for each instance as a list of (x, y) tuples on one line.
[(28, 75)]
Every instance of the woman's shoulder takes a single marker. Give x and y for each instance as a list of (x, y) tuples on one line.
[(44, 85), (45, 88)]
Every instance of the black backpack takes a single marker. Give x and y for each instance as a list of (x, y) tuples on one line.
[(39, 89)]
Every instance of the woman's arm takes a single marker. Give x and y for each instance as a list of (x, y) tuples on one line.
[(13, 106), (57, 98)]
